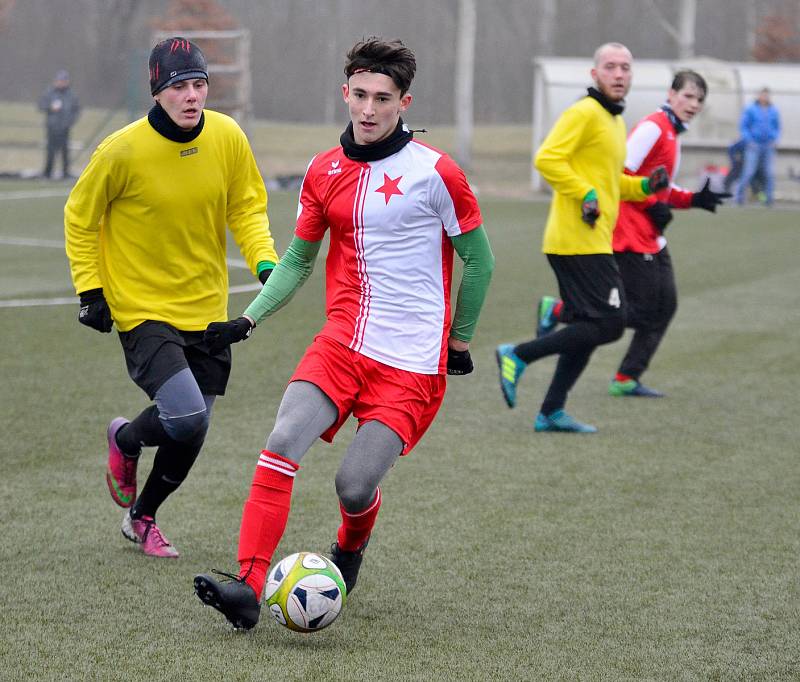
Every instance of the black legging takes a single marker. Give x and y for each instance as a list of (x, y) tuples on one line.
[(177, 424), (574, 344), (57, 141), (652, 299)]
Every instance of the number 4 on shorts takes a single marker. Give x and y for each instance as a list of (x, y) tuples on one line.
[(613, 298)]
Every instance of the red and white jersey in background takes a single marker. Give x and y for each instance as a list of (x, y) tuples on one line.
[(652, 143), (390, 259)]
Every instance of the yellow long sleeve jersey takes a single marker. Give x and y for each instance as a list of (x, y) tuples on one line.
[(585, 150), (146, 222)]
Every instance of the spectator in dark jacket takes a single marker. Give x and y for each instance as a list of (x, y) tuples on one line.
[(736, 156), (61, 107)]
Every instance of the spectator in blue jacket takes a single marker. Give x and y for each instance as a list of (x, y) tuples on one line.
[(760, 127)]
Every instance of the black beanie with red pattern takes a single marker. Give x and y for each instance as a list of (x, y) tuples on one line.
[(173, 60)]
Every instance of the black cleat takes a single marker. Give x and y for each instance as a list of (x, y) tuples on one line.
[(348, 563), (233, 598)]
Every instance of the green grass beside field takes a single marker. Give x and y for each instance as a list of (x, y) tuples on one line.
[(501, 156), (664, 547)]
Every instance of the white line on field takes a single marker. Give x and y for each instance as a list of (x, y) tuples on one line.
[(29, 241), (72, 300), (236, 263), (31, 302), (241, 288), (53, 244), (35, 194)]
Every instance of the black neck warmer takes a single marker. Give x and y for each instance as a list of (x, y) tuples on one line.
[(613, 108), (380, 150), (164, 125), (677, 124)]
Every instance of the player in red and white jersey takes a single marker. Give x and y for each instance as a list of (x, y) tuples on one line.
[(396, 210), (389, 268), (640, 247)]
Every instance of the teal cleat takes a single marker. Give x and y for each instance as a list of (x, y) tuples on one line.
[(633, 389), (560, 421), (546, 321), (511, 369)]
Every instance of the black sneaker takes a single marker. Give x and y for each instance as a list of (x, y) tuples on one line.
[(348, 563), (233, 598)]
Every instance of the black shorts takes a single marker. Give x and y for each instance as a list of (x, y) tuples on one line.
[(155, 351), (650, 290), (590, 286)]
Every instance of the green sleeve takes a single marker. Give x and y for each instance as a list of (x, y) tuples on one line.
[(264, 265), (287, 277), (474, 249)]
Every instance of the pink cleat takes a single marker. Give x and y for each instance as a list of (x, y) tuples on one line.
[(121, 472), (145, 533)]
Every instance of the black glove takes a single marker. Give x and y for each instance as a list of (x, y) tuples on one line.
[(219, 335), (658, 179), (459, 362), (661, 215), (708, 200), (589, 209), (263, 276), (94, 311)]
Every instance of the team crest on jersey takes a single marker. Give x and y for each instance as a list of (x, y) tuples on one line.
[(189, 152), (334, 169)]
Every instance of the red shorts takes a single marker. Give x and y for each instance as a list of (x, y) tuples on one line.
[(404, 401)]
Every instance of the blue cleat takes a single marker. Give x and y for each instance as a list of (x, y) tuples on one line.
[(560, 421), (511, 369), (632, 388), (546, 321)]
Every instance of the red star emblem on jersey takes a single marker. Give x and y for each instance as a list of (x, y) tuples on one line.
[(389, 187)]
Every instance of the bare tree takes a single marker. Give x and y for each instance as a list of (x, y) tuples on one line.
[(6, 6), (546, 27), (777, 36), (752, 25), (465, 77), (684, 33)]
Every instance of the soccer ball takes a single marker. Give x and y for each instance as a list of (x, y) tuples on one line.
[(305, 592)]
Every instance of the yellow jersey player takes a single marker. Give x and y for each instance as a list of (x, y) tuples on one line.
[(145, 234), (583, 159)]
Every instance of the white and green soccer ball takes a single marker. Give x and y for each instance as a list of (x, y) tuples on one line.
[(305, 592)]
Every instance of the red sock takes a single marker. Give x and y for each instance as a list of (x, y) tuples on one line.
[(622, 377), (264, 517), (355, 528), (557, 310)]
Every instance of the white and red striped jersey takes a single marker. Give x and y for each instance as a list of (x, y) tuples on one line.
[(652, 143), (390, 259)]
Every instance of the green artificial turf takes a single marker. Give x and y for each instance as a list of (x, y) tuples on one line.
[(663, 547)]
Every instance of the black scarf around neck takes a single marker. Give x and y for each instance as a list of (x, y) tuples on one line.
[(613, 108), (399, 138), (677, 124), (164, 125)]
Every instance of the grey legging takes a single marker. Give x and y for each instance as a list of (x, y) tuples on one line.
[(305, 414), (183, 409)]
